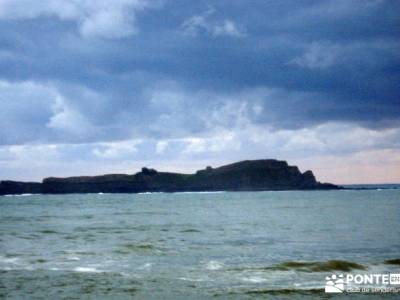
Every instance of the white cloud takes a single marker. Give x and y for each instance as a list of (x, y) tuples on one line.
[(68, 119), (224, 141), (105, 19), (177, 112), (195, 145), (325, 139), (322, 55), (34, 152), (116, 150), (336, 152), (317, 56), (33, 112), (206, 23), (161, 147), (227, 27)]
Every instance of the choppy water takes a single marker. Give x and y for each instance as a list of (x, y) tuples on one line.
[(193, 245)]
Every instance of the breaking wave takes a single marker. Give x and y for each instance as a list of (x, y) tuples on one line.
[(312, 266), (395, 261), (326, 266), (277, 292)]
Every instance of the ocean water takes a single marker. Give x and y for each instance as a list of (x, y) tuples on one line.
[(243, 245)]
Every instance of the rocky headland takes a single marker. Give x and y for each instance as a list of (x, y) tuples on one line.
[(249, 175)]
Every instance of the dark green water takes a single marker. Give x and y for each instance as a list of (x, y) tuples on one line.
[(194, 245)]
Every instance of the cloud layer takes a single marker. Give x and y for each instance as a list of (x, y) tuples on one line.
[(177, 84)]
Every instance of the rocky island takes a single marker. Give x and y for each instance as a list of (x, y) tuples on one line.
[(249, 175)]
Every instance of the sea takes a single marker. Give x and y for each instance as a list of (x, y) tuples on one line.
[(210, 245)]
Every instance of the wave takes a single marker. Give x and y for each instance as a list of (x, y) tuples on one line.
[(48, 231), (214, 265), (139, 248), (318, 266), (190, 230), (72, 258), (395, 261), (20, 195), (76, 252), (188, 192), (8, 259), (286, 292), (146, 266), (199, 192), (310, 266), (150, 193), (277, 292), (39, 261), (191, 279), (254, 279), (87, 270)]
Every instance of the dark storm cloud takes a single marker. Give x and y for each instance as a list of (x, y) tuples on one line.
[(165, 69)]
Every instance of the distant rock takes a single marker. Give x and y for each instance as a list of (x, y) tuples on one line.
[(8, 187), (249, 175), (146, 171)]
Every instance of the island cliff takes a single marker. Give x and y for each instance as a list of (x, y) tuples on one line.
[(249, 175)]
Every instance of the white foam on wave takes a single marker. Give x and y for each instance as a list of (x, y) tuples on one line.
[(150, 193), (146, 266), (214, 265), (191, 279), (87, 270), (254, 279), (8, 260), (73, 258), (20, 195), (177, 193), (204, 192)]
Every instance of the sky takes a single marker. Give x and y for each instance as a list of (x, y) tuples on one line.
[(90, 87)]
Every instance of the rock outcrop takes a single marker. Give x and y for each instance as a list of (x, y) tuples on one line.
[(8, 187), (249, 175)]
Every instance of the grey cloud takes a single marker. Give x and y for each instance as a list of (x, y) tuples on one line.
[(317, 56), (93, 79), (25, 110), (114, 19)]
